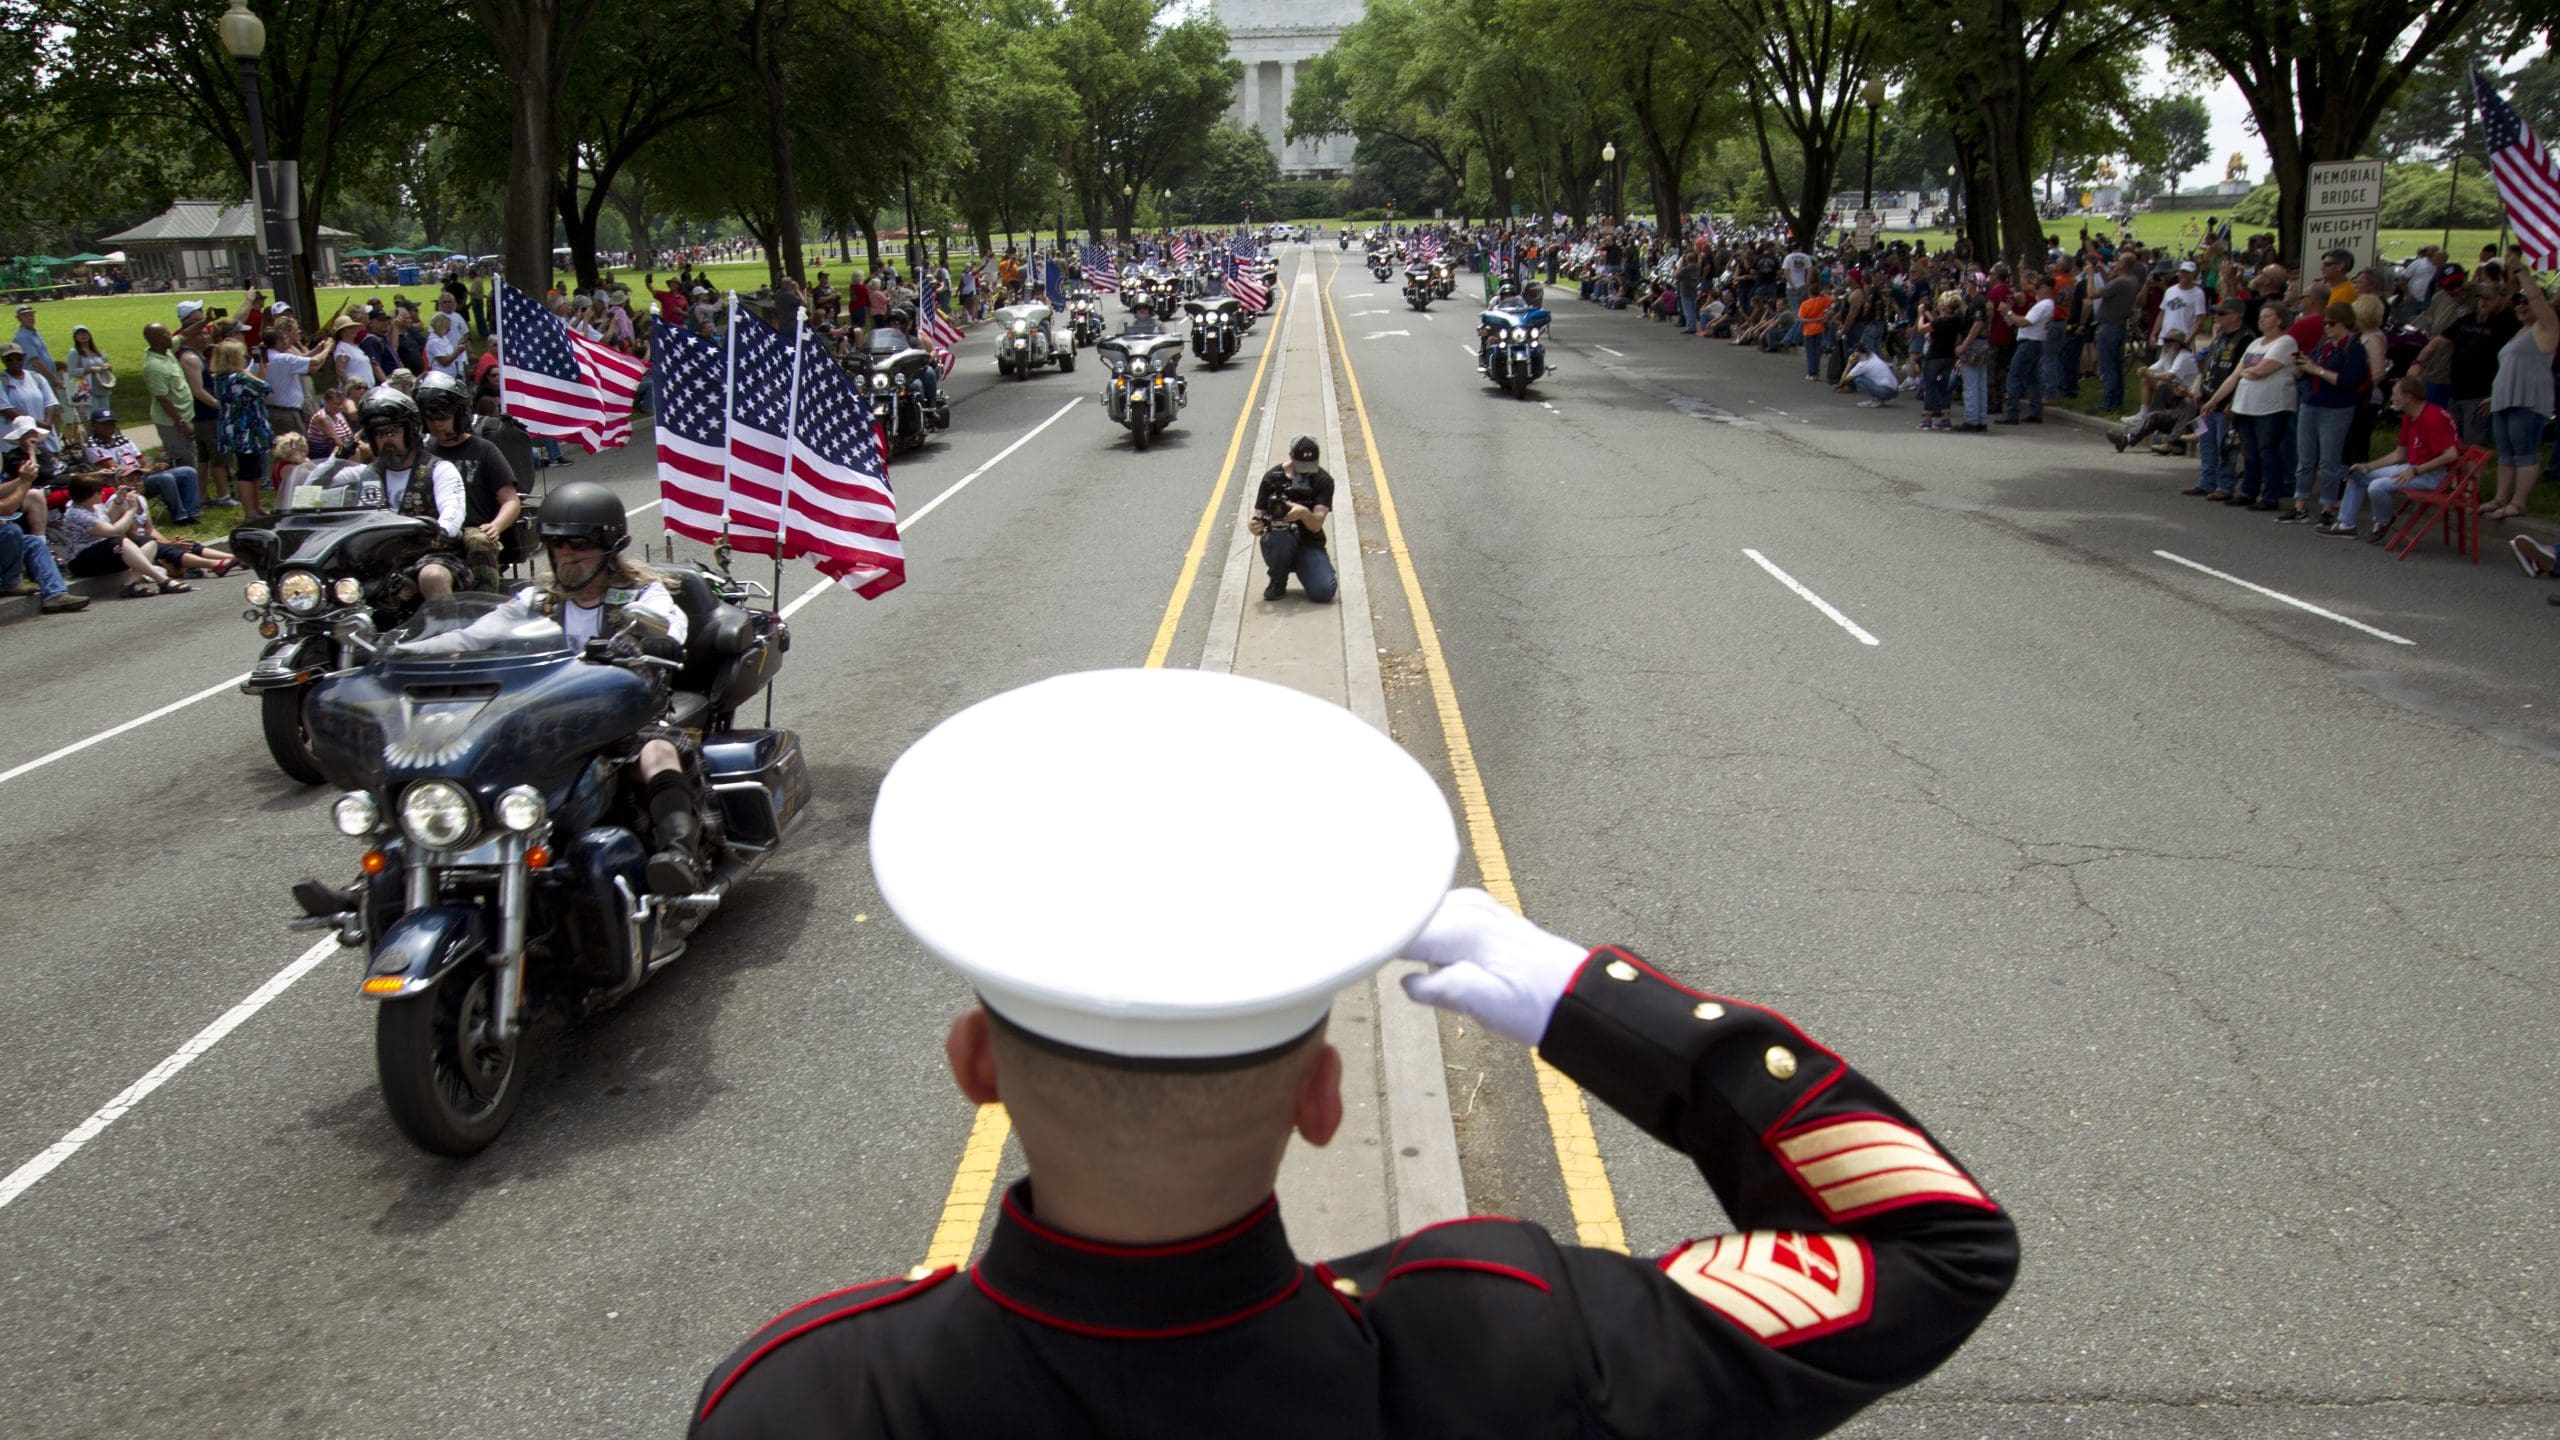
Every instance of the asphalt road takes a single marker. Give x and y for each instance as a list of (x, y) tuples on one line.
[(2203, 927), (2213, 934)]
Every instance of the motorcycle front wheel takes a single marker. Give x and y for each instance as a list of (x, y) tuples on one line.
[(449, 1080), (1139, 432), (288, 738)]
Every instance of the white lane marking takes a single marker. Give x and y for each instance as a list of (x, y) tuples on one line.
[(25, 1176), (1466, 349), (1382, 334), (76, 746), (2280, 595), (1364, 314), (1816, 601), (636, 509), (928, 507), (1605, 350), (1427, 315)]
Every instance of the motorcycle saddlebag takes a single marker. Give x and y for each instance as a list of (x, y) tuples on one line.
[(758, 780)]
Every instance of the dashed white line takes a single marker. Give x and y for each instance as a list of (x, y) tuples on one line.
[(1816, 601), (2287, 599), (1605, 350), (161, 1074), (136, 723)]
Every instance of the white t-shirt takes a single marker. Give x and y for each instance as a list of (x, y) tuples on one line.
[(2182, 309), (1875, 371), (2176, 365), (285, 369), (2422, 278), (2039, 319), (448, 352), (1799, 269), (2273, 395), (354, 364), (582, 622)]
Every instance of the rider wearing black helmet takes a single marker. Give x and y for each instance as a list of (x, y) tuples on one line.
[(1142, 315), (409, 481), (1508, 297), (490, 503), (1288, 514), (599, 591)]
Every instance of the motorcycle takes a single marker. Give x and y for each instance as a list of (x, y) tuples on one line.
[(1215, 335), (327, 575), (894, 374), (1342, 241), (1515, 348), (1444, 277), (1146, 392), (1419, 292), (1031, 340), (1379, 265), (502, 876), (1084, 319)]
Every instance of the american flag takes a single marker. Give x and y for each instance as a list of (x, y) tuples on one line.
[(560, 383), (760, 376), (2527, 181), (1101, 272), (936, 327), (693, 430), (1181, 251), (1243, 247), (1248, 291), (1426, 247), (843, 516)]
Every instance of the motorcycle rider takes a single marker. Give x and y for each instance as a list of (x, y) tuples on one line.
[(1510, 299), (490, 499), (409, 481), (1142, 317), (891, 336)]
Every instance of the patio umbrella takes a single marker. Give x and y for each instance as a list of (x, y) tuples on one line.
[(85, 259)]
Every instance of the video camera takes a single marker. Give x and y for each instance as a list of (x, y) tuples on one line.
[(1297, 492)]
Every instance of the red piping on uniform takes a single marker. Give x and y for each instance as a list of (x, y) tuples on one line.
[(1443, 1225), (1139, 1252), (1115, 1332), (1326, 1277), (1452, 1262), (831, 1295), (786, 1337)]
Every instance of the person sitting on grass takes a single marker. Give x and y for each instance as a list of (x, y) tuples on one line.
[(101, 539), (2425, 456), (2168, 397), (174, 486)]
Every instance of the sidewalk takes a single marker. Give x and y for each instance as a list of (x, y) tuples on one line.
[(1394, 1166)]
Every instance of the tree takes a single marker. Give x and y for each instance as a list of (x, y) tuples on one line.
[(2318, 75), (1014, 106), (2180, 130), (1804, 64), (633, 82), (1236, 169), (535, 41), (1147, 93)]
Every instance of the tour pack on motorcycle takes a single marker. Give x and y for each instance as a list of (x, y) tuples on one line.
[(1217, 331), (1146, 391), (495, 754)]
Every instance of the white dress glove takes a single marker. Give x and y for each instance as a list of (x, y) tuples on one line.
[(1492, 966)]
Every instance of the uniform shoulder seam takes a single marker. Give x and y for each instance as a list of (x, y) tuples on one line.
[(858, 1299)]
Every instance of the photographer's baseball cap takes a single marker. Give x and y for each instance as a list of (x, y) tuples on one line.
[(189, 309)]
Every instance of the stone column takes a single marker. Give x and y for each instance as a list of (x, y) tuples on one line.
[(1253, 94), (1288, 87)]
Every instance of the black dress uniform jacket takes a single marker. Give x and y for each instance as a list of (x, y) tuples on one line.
[(1866, 1256)]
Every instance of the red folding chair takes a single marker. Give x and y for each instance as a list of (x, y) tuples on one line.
[(2454, 505)]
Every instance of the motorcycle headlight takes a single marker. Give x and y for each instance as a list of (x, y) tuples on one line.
[(521, 809), (300, 591), (879, 382), (355, 814), (347, 591), (1137, 367), (437, 814), (258, 593), (1021, 327)]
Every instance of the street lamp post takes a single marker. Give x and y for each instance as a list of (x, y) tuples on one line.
[(1951, 198), (1875, 97), (1128, 210), (245, 36), (1509, 174), (1609, 157)]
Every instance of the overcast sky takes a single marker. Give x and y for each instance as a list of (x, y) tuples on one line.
[(2230, 123)]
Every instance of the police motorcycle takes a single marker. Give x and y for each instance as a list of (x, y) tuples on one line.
[(1380, 264), (1419, 289), (1147, 391), (504, 875), (904, 400), (1030, 339), (1084, 318), (335, 567), (1512, 348), (1216, 331)]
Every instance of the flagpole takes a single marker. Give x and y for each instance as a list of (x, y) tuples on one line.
[(728, 442), (790, 442)]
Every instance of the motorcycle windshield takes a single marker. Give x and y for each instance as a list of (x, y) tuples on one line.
[(475, 626)]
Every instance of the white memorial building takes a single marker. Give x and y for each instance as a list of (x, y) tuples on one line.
[(1273, 38)]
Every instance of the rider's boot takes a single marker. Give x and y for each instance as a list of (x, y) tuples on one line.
[(321, 900), (675, 868)]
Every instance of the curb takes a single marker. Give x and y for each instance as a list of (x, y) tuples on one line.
[(15, 608)]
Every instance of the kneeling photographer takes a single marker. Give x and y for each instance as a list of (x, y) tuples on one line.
[(1289, 513)]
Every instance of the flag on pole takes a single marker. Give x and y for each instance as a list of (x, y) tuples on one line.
[(1249, 291), (938, 332), (559, 383), (2527, 181), (1056, 285), (842, 515), (760, 375), (1181, 251), (693, 430), (1101, 271)]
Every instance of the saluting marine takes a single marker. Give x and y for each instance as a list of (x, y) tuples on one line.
[(1155, 1027)]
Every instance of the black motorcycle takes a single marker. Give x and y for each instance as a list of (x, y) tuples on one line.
[(895, 374), (1380, 266), (1419, 290), (1445, 276), (1216, 333), (1146, 392), (1084, 318), (329, 578), (503, 877)]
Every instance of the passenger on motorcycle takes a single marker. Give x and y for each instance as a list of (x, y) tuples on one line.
[(490, 501), (409, 481)]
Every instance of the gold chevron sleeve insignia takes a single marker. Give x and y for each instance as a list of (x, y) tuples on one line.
[(1781, 1285), (1868, 1164)]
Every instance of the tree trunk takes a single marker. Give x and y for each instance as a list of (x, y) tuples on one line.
[(777, 114), (632, 205), (578, 219), (533, 152), (870, 245)]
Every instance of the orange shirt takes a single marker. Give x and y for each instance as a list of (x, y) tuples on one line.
[(1812, 311)]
